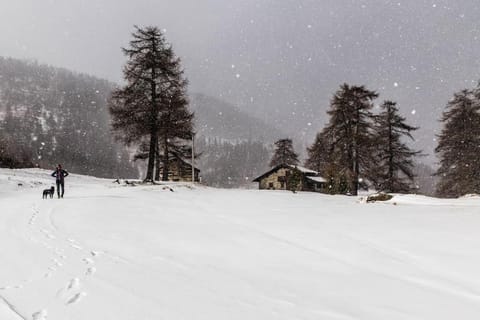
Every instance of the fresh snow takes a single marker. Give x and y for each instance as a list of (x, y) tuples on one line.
[(304, 170), (317, 179), (115, 252)]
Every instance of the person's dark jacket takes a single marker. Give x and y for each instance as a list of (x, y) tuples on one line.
[(60, 175)]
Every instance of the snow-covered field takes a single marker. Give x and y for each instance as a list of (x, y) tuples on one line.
[(139, 253)]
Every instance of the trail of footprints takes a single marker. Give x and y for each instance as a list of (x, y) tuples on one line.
[(72, 292)]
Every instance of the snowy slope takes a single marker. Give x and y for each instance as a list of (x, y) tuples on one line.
[(113, 252)]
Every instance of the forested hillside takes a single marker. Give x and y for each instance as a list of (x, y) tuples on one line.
[(52, 115)]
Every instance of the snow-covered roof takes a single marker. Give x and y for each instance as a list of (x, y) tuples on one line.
[(317, 179), (303, 169)]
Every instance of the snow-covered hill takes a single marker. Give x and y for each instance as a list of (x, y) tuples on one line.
[(132, 253)]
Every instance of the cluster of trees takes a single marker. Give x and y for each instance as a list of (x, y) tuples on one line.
[(51, 116), (358, 146), (151, 111), (459, 145)]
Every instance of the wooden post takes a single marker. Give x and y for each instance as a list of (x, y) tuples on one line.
[(193, 158)]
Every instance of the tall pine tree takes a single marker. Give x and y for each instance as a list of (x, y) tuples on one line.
[(393, 171), (319, 154), (459, 146), (350, 130), (176, 129), (150, 111), (284, 153)]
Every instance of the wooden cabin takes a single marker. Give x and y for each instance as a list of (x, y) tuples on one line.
[(180, 170), (278, 178)]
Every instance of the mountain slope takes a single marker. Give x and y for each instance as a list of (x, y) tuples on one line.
[(52, 115), (218, 119)]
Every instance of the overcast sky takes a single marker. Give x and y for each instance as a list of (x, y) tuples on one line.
[(278, 59)]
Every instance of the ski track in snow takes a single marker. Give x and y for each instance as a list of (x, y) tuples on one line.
[(441, 283), (12, 309)]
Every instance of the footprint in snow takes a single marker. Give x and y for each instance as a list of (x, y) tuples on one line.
[(57, 263), (74, 246), (91, 271), (95, 253), (88, 261), (76, 298), (73, 284), (40, 315)]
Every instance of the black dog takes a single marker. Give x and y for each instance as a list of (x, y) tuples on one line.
[(48, 192)]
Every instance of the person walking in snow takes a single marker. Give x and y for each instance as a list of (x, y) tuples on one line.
[(60, 175)]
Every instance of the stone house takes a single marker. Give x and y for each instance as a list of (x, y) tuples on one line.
[(290, 177)]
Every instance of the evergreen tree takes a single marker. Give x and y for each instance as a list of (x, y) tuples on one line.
[(459, 146), (319, 154), (350, 130), (322, 158), (394, 166), (147, 109), (176, 128), (284, 153)]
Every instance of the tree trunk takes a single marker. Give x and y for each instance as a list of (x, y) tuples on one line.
[(153, 125), (151, 156), (356, 157), (165, 161), (158, 163), (389, 185)]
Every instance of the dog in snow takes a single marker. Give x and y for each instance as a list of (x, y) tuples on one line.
[(48, 192)]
